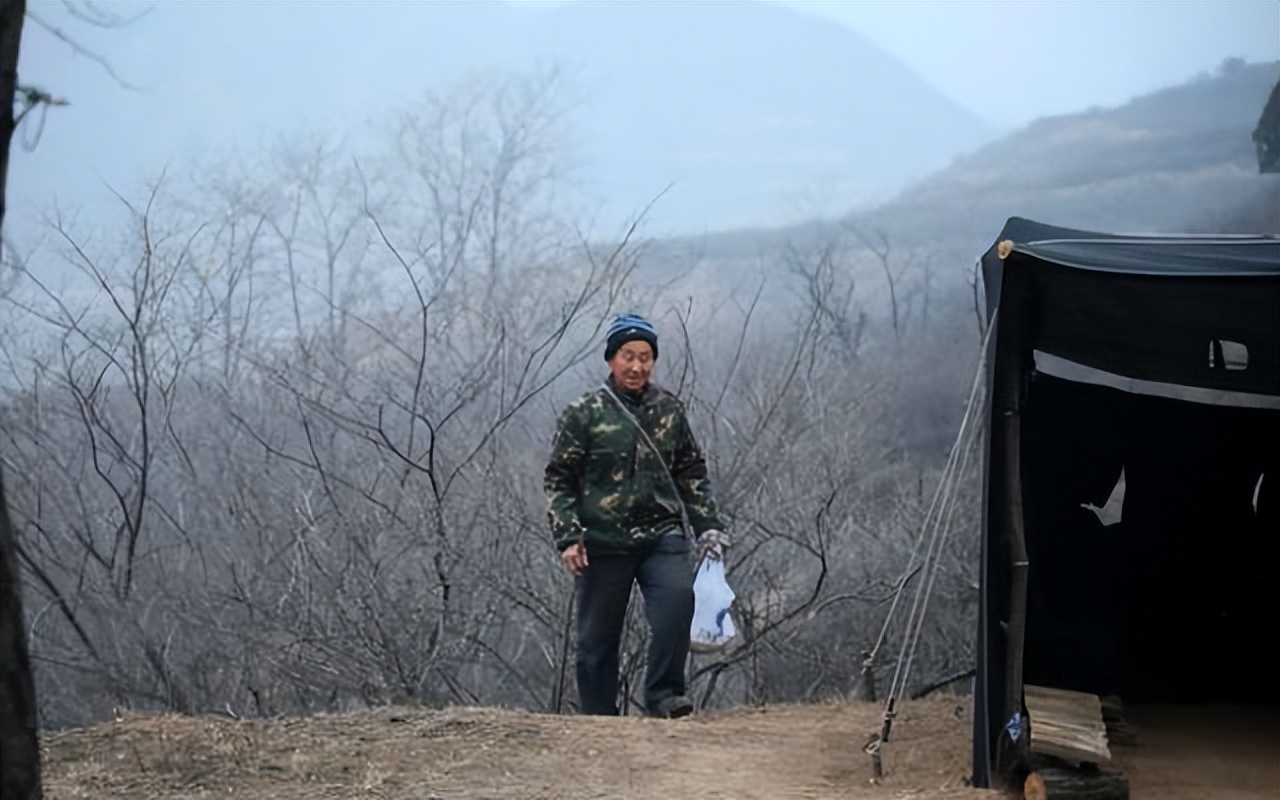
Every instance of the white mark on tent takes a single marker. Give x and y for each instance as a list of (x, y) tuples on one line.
[(1112, 510), (1234, 355), (1257, 492)]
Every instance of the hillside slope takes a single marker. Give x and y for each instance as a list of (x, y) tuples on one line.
[(1179, 159)]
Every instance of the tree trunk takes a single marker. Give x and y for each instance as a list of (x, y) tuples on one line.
[(19, 742)]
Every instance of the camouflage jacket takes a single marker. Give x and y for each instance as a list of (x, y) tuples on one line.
[(604, 483)]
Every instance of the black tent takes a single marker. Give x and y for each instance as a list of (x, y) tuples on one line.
[(1138, 373)]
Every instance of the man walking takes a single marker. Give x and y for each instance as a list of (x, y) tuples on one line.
[(625, 469)]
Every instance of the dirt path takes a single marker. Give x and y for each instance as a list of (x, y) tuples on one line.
[(776, 753), (1223, 752)]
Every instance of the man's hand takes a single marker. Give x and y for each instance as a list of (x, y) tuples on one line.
[(575, 558), (714, 543)]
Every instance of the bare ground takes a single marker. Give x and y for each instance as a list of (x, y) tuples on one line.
[(773, 753), (780, 752), (1212, 751)]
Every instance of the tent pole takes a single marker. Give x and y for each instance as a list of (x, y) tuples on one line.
[(1009, 752)]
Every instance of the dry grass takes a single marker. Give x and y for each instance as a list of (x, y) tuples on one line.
[(812, 751)]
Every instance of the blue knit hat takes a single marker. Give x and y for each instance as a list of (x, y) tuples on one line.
[(629, 328)]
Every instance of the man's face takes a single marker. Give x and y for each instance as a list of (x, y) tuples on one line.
[(632, 365)]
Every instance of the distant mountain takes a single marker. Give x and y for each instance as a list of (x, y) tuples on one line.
[(757, 114), (1177, 160), (1180, 159), (751, 113)]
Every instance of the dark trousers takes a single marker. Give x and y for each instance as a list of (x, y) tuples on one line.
[(604, 590)]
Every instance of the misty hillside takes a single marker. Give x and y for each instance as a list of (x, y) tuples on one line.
[(753, 112), (1178, 159), (744, 112), (1181, 159)]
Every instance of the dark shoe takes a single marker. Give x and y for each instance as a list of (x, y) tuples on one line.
[(673, 707)]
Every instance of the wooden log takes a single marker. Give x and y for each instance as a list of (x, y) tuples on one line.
[(1067, 783), (1066, 724)]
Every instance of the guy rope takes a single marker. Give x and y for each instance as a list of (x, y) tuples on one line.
[(935, 529)]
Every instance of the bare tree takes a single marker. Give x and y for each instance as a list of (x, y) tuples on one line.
[(826, 505), (280, 445), (296, 436)]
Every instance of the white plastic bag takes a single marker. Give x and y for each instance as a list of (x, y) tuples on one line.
[(712, 626)]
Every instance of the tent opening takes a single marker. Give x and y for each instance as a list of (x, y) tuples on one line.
[(1177, 599)]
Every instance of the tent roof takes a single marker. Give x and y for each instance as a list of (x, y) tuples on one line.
[(1187, 255), (1141, 313)]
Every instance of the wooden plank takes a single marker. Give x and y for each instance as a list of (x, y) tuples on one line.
[(1066, 724)]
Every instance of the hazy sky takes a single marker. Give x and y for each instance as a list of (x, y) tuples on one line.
[(1013, 62)]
